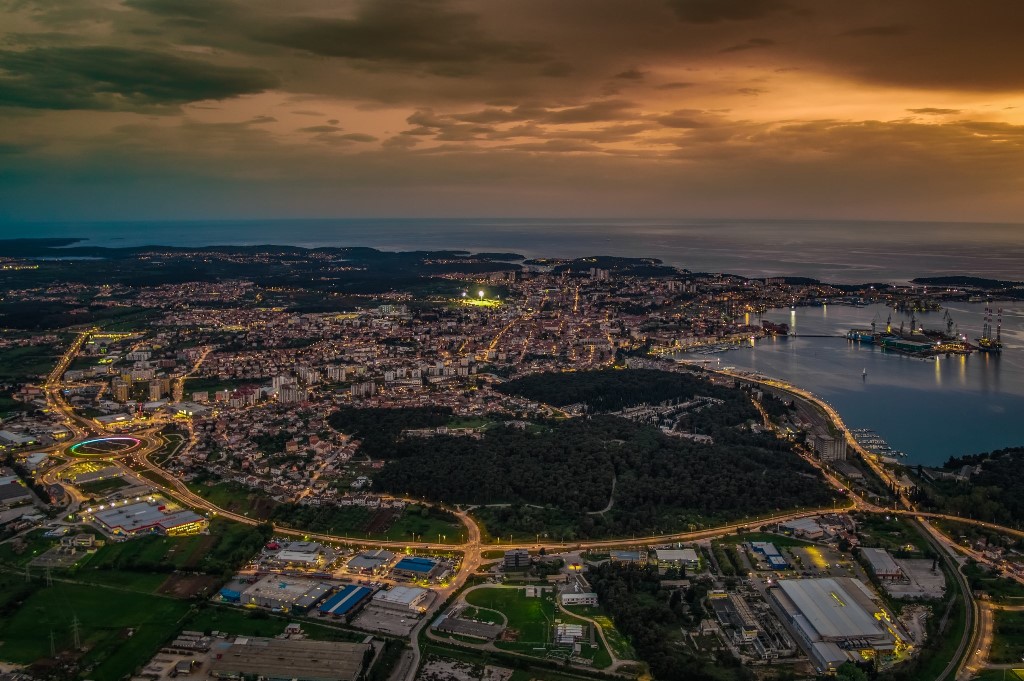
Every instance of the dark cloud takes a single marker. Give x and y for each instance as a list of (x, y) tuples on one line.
[(673, 86), (320, 128), (426, 34), (714, 11), (751, 91), (751, 44), (113, 78), (884, 31), (932, 111), (358, 137), (631, 74)]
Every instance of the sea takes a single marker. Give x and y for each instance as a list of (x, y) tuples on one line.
[(930, 409)]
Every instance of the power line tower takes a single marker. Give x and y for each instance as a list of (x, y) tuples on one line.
[(49, 577), (53, 646), (75, 632), (28, 573)]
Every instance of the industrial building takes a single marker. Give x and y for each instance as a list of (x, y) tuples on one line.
[(677, 558), (882, 564), (346, 601), (371, 562), (734, 613), (150, 517), (836, 620), (632, 557), (805, 528), (285, 594), (412, 599), (300, 554), (771, 555), (273, 659), (14, 493), (416, 567)]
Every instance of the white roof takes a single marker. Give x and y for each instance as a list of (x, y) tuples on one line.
[(829, 609), (881, 561), (404, 595), (685, 555)]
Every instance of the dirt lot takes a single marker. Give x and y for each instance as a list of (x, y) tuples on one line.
[(385, 621), (186, 586)]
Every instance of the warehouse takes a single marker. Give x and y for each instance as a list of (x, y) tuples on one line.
[(771, 554), (150, 517), (300, 554), (345, 601), (276, 593), (291, 660), (836, 620), (371, 562), (407, 598), (677, 558), (882, 564), (415, 567)]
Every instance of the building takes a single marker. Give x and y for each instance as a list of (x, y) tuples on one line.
[(405, 598), (302, 555), (583, 598), (345, 601), (635, 557), (836, 620), (150, 517), (14, 493), (371, 562), (677, 558), (771, 555), (273, 659), (806, 528), (516, 560), (569, 634), (882, 564), (416, 567), (829, 448), (289, 594)]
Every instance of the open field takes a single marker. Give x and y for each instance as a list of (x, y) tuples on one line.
[(892, 534), (25, 362), (532, 619), (102, 487), (1008, 641), (104, 618), (247, 622)]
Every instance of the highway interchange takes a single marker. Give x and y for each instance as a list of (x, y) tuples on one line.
[(971, 652)]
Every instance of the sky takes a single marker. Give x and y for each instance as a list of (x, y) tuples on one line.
[(192, 109)]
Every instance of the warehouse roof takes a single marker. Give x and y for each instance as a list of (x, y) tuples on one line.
[(303, 660), (829, 609)]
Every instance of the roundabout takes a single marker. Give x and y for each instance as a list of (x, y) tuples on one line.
[(105, 446)]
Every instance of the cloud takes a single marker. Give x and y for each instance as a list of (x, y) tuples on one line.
[(751, 44), (678, 85), (932, 111), (113, 78), (631, 74), (425, 34), (882, 31), (320, 128), (714, 11)]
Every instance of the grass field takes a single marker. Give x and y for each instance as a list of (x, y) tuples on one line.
[(104, 617), (998, 588), (226, 546), (891, 533), (260, 623), (18, 363), (102, 487), (1008, 641), (532, 618), (35, 543)]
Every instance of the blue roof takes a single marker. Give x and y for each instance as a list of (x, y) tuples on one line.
[(231, 594), (777, 562), (344, 600), (416, 564)]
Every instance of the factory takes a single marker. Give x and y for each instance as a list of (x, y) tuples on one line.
[(836, 620), (771, 555), (285, 594), (301, 555), (882, 564), (149, 517), (677, 558), (416, 567), (371, 562), (291, 660), (410, 599), (346, 601)]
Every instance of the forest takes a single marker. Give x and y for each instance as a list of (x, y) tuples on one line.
[(995, 493), (661, 483), (378, 428), (652, 619), (613, 389)]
